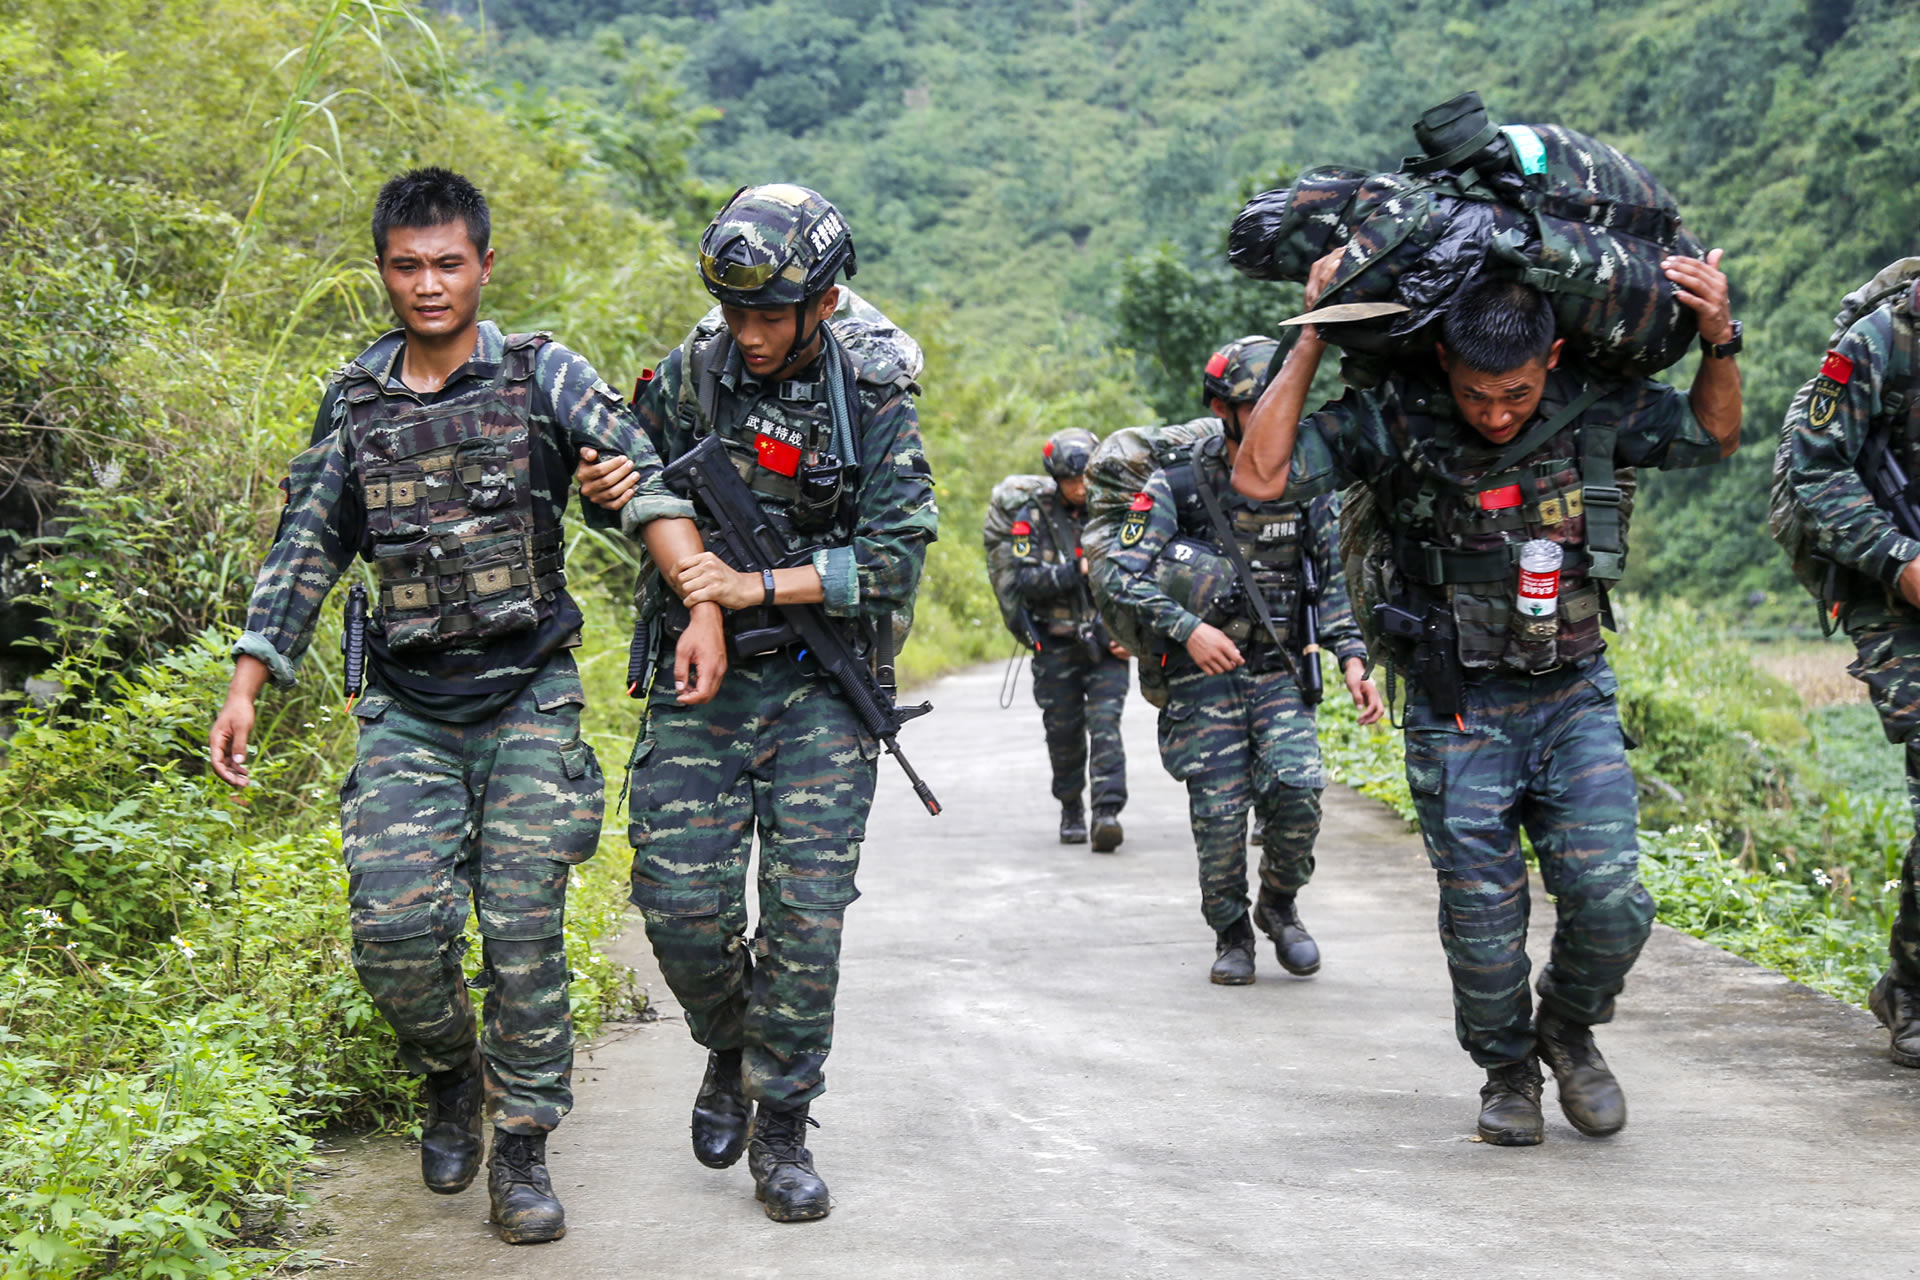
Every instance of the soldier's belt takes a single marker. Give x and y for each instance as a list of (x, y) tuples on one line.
[(1443, 566)]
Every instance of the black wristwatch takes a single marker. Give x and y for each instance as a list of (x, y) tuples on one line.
[(1723, 350), (766, 580)]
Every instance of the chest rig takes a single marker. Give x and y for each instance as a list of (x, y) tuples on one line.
[(1461, 514), (1269, 537), (1055, 538), (451, 530)]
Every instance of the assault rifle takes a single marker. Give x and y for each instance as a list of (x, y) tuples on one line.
[(748, 542), (1888, 482), (1313, 682)]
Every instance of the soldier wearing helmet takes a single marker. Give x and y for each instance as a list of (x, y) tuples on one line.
[(828, 440), (1220, 581), (1079, 673)]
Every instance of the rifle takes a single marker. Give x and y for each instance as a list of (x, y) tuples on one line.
[(749, 543), (1887, 481), (353, 642), (1313, 682)]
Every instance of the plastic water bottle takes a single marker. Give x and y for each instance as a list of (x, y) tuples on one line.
[(1539, 595)]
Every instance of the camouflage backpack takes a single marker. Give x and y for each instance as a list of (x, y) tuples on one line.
[(1010, 497), (1787, 520), (1121, 467)]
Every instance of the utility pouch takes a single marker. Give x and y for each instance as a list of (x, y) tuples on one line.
[(1532, 643), (821, 483)]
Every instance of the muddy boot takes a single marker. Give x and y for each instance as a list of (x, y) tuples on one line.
[(524, 1206), (721, 1112), (1590, 1097), (1279, 918), (1233, 955), (1898, 1009), (1073, 822), (450, 1138), (1107, 832), (1510, 1105), (783, 1176)]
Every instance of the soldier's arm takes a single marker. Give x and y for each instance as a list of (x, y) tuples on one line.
[(1276, 427), (1827, 426), (1034, 580), (879, 571), (1338, 630), (596, 427), (1715, 397), (1128, 574)]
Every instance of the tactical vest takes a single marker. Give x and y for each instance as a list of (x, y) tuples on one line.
[(1476, 522), (1271, 536), (1057, 538), (451, 529)]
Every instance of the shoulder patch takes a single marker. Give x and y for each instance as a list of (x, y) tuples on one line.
[(1142, 501), (1135, 527), (1837, 367)]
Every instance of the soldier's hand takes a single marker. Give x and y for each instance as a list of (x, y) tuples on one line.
[(1210, 647), (1325, 268), (1366, 696), (1703, 287), (606, 484), (1910, 583), (707, 579), (700, 657), (1119, 651)]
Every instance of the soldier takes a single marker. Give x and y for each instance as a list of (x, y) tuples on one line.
[(1236, 728), (441, 454), (1079, 673), (831, 446), (1867, 387), (1510, 720)]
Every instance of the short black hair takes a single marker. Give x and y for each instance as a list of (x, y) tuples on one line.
[(1498, 325), (430, 197)]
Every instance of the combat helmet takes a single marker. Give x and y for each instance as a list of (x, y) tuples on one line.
[(1237, 372), (1068, 452), (774, 246)]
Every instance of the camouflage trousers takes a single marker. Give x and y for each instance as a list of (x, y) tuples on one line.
[(1244, 741), (779, 752), (1888, 663), (434, 815), (1544, 754), (1081, 698)]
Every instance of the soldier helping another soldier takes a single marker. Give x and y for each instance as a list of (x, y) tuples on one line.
[(1510, 719), (441, 455)]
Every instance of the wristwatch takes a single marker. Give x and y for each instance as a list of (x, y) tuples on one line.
[(766, 575), (1723, 350)]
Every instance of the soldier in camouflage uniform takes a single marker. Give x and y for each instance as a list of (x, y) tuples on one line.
[(830, 445), (1235, 728), (1867, 386), (1079, 673), (441, 454), (1511, 722)]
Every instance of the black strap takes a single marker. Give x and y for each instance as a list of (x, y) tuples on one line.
[(1452, 158), (1223, 534)]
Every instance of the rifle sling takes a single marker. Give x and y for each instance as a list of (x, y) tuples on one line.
[(1223, 531)]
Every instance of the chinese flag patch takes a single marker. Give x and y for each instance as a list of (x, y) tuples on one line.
[(1837, 367), (1021, 528), (1217, 365), (1507, 495), (777, 455), (1142, 501)]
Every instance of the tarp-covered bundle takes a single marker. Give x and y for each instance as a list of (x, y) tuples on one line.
[(1013, 495)]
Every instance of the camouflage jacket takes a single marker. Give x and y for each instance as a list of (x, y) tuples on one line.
[(1046, 573), (1132, 574), (894, 515), (323, 523), (1860, 380)]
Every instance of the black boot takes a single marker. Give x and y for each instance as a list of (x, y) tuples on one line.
[(1279, 918), (1898, 1009), (1073, 822), (1510, 1105), (783, 1176), (524, 1206), (1233, 955), (450, 1135), (721, 1112), (1107, 832), (1590, 1097)]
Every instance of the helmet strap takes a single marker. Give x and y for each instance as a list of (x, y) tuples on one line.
[(1232, 423), (801, 338)]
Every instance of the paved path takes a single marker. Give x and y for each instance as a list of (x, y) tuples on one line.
[(1033, 1077)]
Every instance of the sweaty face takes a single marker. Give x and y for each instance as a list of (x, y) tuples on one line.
[(764, 336), (1074, 490), (433, 277), (1498, 405)]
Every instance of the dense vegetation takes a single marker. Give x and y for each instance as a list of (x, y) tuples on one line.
[(1039, 193)]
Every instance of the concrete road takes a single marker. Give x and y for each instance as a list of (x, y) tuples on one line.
[(1033, 1077)]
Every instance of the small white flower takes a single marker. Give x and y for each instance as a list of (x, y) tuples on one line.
[(1780, 867), (93, 573), (309, 725), (1726, 879), (199, 886), (1892, 885), (1821, 878), (140, 591), (185, 949)]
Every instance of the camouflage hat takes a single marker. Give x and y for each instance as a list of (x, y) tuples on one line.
[(1198, 579), (1237, 372), (1068, 452), (774, 246)]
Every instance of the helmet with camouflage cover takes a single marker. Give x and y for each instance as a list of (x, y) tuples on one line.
[(1198, 578), (1068, 452), (1237, 372), (776, 245)]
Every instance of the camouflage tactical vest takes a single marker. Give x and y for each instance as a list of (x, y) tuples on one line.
[(451, 530), (1456, 532), (1271, 536)]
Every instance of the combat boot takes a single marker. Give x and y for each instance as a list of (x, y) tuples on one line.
[(1590, 1097), (524, 1206), (1898, 1009), (450, 1138), (721, 1112), (1279, 918), (783, 1176), (1233, 955), (1510, 1105), (1107, 832), (1073, 822)]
